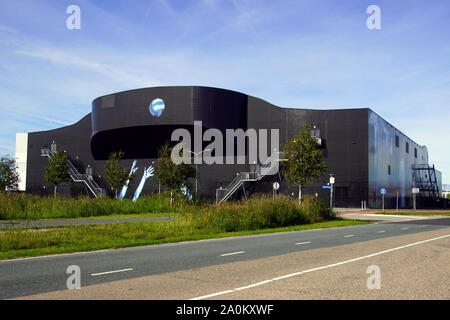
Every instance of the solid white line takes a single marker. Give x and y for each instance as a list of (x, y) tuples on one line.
[(349, 235), (109, 272), (382, 231), (56, 255), (212, 295), (300, 243), (231, 253), (394, 215), (318, 268)]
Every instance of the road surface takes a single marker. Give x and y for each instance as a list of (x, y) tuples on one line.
[(412, 254)]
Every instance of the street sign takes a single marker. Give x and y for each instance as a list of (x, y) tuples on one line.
[(383, 191), (276, 186), (332, 180), (326, 187), (415, 190)]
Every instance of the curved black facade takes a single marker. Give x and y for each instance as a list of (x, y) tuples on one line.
[(359, 146), (122, 121)]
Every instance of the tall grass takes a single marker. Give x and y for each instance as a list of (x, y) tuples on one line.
[(197, 222), (259, 213), (27, 206)]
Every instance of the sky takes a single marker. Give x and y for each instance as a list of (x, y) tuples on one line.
[(315, 54)]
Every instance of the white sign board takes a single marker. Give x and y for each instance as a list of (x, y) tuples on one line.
[(276, 186), (415, 190), (332, 180)]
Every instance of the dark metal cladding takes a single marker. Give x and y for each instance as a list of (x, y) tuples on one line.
[(358, 145)]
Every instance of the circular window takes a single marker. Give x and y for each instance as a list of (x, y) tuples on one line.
[(156, 108)]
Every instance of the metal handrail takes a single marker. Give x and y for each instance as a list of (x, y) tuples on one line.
[(246, 176), (76, 175)]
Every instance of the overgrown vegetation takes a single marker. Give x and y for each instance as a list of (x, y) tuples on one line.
[(27, 206), (257, 215), (172, 176), (115, 174), (57, 172), (9, 178), (304, 160)]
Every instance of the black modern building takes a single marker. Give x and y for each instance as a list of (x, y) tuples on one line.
[(363, 151)]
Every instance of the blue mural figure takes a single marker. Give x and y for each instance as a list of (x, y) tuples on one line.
[(148, 172), (186, 192), (123, 192)]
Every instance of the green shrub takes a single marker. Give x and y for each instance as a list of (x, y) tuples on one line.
[(260, 212), (28, 206)]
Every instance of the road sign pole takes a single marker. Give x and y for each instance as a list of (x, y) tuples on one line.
[(396, 206), (383, 201), (331, 197)]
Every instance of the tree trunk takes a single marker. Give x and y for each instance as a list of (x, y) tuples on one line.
[(116, 193), (299, 193)]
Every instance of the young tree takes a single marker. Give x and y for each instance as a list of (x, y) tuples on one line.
[(9, 178), (172, 176), (304, 160), (57, 172), (115, 174)]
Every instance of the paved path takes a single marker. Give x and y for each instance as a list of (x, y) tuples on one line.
[(240, 267), (69, 222)]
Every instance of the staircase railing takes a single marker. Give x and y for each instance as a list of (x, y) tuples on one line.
[(269, 167), (76, 176)]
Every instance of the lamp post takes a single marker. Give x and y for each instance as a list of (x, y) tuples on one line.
[(196, 154)]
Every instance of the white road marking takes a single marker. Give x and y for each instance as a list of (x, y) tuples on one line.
[(318, 268), (405, 228), (56, 255), (349, 235), (300, 243), (381, 231), (231, 253), (213, 295), (394, 215), (109, 272)]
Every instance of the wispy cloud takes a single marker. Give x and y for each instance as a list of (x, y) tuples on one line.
[(315, 54)]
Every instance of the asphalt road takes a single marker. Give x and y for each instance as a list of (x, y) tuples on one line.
[(31, 276)]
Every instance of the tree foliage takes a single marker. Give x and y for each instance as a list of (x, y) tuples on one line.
[(171, 175), (57, 171), (304, 160), (115, 174), (9, 178)]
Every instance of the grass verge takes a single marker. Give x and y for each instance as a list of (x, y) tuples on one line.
[(22, 242), (111, 216), (34, 207)]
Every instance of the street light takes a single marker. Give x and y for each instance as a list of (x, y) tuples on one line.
[(196, 154)]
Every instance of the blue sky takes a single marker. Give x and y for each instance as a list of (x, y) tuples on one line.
[(300, 53)]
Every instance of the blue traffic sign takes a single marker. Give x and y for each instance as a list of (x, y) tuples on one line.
[(326, 187), (383, 191)]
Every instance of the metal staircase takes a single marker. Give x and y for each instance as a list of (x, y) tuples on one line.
[(269, 167), (76, 176)]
